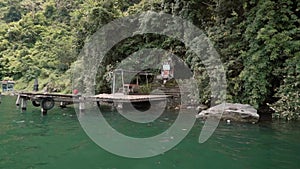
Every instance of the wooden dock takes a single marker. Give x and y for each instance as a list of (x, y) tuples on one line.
[(47, 100)]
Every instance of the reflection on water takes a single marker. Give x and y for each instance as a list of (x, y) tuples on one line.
[(57, 141)]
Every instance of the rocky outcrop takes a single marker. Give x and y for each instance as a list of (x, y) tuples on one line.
[(232, 112)]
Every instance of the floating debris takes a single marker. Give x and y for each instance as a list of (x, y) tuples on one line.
[(22, 121)]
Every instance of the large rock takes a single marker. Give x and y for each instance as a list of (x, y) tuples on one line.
[(232, 112)]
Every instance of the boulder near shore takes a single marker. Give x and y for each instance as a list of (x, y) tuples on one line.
[(231, 112)]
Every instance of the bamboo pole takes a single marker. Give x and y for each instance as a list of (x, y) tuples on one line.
[(114, 83)]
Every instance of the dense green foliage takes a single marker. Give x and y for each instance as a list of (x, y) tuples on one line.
[(258, 41)]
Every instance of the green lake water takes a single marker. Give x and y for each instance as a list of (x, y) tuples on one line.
[(57, 141)]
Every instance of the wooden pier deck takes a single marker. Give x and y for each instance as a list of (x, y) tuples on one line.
[(128, 98), (47, 100)]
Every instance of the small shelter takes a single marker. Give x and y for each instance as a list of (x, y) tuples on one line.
[(126, 87), (7, 85)]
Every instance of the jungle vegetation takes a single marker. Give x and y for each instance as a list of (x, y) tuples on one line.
[(258, 40)]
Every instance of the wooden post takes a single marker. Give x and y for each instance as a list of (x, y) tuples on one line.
[(120, 105), (81, 104), (62, 105), (43, 112), (23, 104), (98, 104), (123, 81), (18, 101)]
